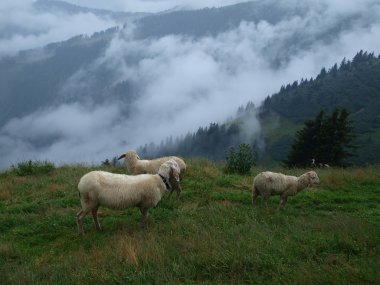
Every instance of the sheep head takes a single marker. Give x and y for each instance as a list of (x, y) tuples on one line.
[(312, 177), (129, 155), (169, 169), (175, 170)]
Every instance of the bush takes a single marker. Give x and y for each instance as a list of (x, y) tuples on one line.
[(33, 167), (239, 161)]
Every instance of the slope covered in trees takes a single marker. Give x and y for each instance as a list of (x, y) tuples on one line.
[(352, 85)]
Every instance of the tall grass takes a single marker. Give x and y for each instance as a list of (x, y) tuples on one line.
[(325, 235)]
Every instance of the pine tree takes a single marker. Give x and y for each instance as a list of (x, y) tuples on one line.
[(325, 139)]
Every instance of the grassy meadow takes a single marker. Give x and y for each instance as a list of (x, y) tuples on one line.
[(326, 235)]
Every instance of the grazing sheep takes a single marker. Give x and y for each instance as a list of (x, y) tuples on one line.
[(319, 165), (136, 165), (269, 183), (119, 191)]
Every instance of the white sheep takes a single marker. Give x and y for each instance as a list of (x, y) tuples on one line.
[(269, 183), (136, 165), (119, 191)]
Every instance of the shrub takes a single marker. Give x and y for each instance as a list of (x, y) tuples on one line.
[(106, 162), (33, 167), (239, 161), (113, 162)]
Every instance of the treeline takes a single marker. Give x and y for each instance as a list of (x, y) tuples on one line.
[(210, 142)]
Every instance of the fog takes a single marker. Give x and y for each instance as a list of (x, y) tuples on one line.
[(151, 6), (185, 82)]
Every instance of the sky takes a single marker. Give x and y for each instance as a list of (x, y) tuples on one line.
[(184, 82)]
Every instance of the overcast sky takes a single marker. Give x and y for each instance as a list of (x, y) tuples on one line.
[(187, 82)]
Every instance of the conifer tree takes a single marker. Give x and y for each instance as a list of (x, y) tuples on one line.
[(325, 139)]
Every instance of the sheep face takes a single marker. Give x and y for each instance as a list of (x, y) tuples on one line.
[(169, 169), (174, 169), (313, 178), (130, 154)]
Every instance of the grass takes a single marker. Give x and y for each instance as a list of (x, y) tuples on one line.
[(325, 235)]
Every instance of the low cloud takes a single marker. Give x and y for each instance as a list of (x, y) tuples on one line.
[(151, 6), (75, 132)]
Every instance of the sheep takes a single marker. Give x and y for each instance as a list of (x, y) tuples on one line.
[(120, 191), (271, 183), (319, 165), (136, 165)]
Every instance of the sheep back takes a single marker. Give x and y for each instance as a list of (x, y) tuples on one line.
[(118, 191), (271, 183), (152, 166)]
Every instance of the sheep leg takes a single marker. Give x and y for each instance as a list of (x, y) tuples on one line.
[(144, 213), (255, 194), (283, 201), (175, 187), (80, 216), (170, 194), (265, 200), (178, 190), (95, 217)]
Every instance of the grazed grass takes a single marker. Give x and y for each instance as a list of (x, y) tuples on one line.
[(325, 235)]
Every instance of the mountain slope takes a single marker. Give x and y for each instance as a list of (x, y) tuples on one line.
[(29, 76), (354, 85), (212, 21), (34, 79)]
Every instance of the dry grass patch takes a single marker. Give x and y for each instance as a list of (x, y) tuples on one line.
[(209, 171), (127, 250), (54, 188), (226, 203), (334, 179), (359, 174), (5, 195)]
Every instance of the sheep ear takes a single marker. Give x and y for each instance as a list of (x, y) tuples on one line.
[(121, 156)]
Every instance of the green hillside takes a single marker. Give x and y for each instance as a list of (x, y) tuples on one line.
[(354, 85), (326, 235)]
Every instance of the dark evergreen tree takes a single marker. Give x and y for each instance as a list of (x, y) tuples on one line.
[(324, 139)]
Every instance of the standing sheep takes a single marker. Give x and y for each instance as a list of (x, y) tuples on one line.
[(119, 191), (136, 165), (269, 183)]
